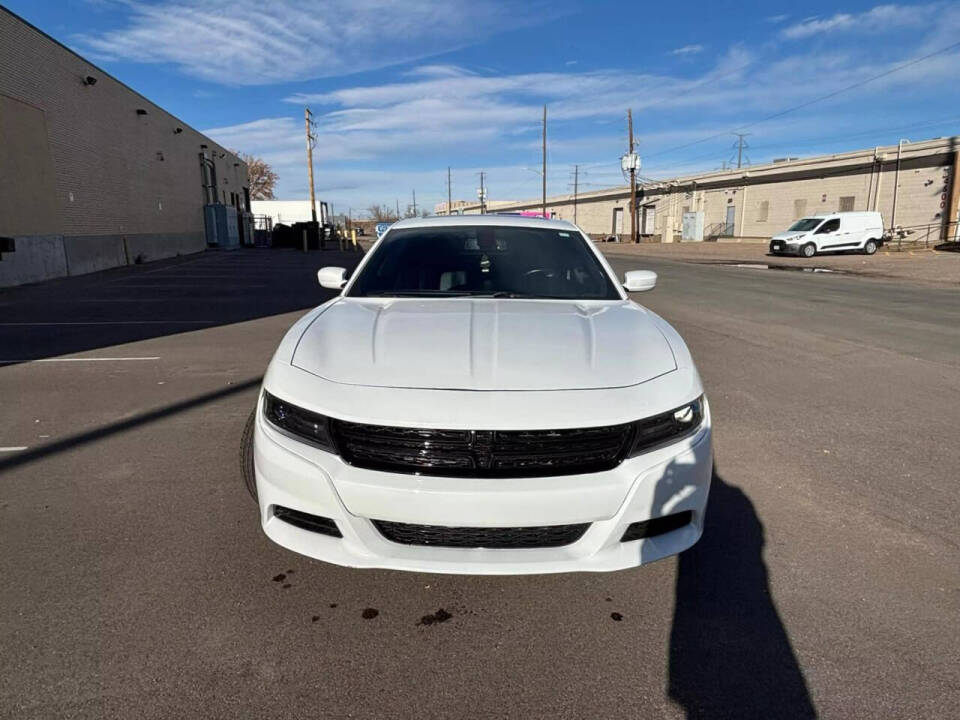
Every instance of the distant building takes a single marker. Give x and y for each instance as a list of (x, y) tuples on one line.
[(754, 202), (94, 174), (287, 211), (456, 206)]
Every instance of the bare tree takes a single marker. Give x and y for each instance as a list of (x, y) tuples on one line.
[(261, 179), (381, 213)]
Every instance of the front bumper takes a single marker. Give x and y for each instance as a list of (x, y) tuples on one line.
[(781, 247), (662, 482)]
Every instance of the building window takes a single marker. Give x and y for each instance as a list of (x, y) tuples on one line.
[(846, 203), (763, 211), (799, 209)]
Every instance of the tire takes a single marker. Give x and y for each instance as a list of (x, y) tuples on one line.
[(869, 247), (808, 250), (246, 456)]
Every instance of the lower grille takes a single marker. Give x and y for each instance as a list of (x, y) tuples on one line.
[(306, 521), (656, 526), (473, 537)]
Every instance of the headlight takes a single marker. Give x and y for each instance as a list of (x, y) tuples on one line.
[(667, 427), (297, 422)]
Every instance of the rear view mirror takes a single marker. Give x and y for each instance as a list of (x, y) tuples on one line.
[(332, 278), (639, 280)]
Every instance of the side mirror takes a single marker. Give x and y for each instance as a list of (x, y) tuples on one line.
[(639, 280), (333, 278)]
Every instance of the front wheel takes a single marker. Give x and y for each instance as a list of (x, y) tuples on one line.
[(870, 247), (808, 250)]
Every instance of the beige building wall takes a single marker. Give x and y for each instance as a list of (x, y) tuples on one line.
[(79, 162), (766, 199)]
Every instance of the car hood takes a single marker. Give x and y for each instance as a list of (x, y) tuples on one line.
[(790, 235), (484, 344)]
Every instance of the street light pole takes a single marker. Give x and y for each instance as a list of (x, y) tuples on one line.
[(576, 178), (307, 117), (544, 160), (633, 181)]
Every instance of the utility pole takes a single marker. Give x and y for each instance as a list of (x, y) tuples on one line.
[(544, 160), (398, 209), (633, 181), (311, 139), (576, 179), (483, 194), (740, 146), (449, 200), (414, 202)]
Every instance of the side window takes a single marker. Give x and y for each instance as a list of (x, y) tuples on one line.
[(829, 226)]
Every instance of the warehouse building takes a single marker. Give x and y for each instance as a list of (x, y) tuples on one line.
[(915, 186), (94, 174), (289, 212)]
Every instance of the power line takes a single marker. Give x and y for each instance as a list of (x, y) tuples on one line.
[(808, 103), (787, 146)]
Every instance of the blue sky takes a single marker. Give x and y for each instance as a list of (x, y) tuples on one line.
[(403, 89)]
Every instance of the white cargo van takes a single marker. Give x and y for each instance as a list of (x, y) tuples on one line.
[(831, 232)]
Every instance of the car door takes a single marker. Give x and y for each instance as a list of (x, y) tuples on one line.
[(826, 236), (851, 233)]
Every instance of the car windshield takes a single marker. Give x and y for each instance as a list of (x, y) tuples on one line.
[(484, 260), (805, 224)]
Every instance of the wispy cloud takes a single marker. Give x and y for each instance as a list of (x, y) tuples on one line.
[(882, 18), (687, 50), (774, 19), (402, 134), (246, 42)]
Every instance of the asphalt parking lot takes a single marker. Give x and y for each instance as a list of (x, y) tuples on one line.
[(137, 583)]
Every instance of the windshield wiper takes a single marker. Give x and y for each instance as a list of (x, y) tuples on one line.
[(420, 293), (498, 294), (527, 296)]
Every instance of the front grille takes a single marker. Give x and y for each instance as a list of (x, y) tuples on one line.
[(482, 453), (473, 537)]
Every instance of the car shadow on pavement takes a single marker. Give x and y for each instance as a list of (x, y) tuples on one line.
[(133, 303), (730, 655), (104, 432)]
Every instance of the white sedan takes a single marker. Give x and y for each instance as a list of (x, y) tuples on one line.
[(482, 397)]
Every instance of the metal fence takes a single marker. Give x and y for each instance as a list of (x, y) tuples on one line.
[(925, 236)]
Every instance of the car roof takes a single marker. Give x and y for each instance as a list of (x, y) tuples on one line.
[(473, 220), (845, 213)]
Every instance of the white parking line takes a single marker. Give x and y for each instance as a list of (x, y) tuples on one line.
[(112, 322), (13, 449), (80, 359)]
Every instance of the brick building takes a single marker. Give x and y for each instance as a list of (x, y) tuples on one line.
[(93, 174), (913, 185)]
